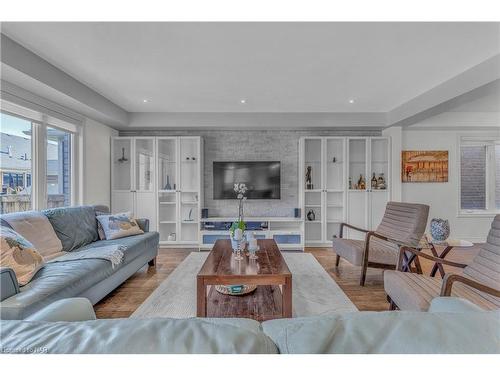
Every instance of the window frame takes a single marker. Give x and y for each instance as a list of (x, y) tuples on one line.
[(39, 123), (489, 141)]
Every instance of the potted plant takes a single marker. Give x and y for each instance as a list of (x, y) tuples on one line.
[(237, 230)]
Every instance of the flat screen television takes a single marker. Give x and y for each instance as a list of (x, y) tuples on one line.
[(262, 178)]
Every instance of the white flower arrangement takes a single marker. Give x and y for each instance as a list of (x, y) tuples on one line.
[(240, 190)]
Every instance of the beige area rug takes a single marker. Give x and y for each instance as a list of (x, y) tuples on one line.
[(314, 291)]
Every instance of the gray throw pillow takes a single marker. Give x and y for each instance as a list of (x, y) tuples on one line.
[(75, 226)]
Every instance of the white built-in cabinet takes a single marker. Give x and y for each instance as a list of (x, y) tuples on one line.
[(160, 178), (180, 189), (133, 177), (334, 162)]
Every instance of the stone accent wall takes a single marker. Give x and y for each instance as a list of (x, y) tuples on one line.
[(254, 145), (473, 177)]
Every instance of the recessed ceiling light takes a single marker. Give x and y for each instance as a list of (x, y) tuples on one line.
[(351, 101), (144, 100), (243, 101)]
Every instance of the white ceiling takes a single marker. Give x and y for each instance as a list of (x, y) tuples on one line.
[(275, 67)]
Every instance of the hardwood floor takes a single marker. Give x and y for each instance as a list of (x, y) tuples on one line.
[(124, 300)]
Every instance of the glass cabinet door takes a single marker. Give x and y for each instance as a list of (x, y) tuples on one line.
[(334, 184), (313, 187), (189, 162), (357, 174), (144, 164), (379, 164), (122, 164), (167, 158)]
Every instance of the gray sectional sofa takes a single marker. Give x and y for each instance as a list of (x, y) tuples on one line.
[(69, 326), (93, 279)]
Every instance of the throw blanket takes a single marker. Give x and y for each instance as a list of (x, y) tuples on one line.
[(112, 253)]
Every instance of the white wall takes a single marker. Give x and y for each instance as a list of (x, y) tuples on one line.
[(97, 170), (441, 133)]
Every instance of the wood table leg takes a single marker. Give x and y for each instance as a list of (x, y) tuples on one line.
[(286, 304), (441, 256), (201, 298)]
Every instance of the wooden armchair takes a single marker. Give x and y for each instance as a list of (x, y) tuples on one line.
[(403, 224), (479, 283)]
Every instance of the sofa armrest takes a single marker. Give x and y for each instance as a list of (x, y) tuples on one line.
[(143, 224), (8, 283), (65, 310)]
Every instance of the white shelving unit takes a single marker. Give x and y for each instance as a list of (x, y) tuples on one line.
[(326, 197), (288, 232), (179, 190), (367, 155), (333, 160), (133, 177)]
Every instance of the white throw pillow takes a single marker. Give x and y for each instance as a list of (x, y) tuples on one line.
[(20, 255), (119, 225)]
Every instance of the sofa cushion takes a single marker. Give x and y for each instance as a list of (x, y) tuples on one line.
[(75, 226), (388, 332), (119, 225), (136, 336), (36, 228), (19, 254), (135, 245), (411, 291), (60, 280)]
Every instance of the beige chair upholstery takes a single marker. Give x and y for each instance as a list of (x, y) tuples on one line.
[(402, 223), (410, 291)]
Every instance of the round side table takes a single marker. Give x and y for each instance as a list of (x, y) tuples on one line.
[(449, 244)]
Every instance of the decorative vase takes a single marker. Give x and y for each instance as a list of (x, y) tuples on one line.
[(167, 186), (238, 243), (440, 229)]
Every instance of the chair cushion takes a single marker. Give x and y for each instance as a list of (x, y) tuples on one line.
[(380, 251), (75, 226), (485, 267), (404, 222), (411, 291)]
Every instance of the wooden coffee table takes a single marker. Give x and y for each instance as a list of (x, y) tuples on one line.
[(273, 297)]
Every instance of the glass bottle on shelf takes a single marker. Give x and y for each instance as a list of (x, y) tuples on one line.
[(374, 182)]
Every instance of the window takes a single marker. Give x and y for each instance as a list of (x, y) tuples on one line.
[(38, 159), (15, 164), (58, 168), (479, 176)]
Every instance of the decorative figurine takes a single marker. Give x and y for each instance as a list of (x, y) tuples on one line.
[(381, 182), (309, 184), (350, 183), (311, 216), (361, 183), (374, 182), (334, 159)]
